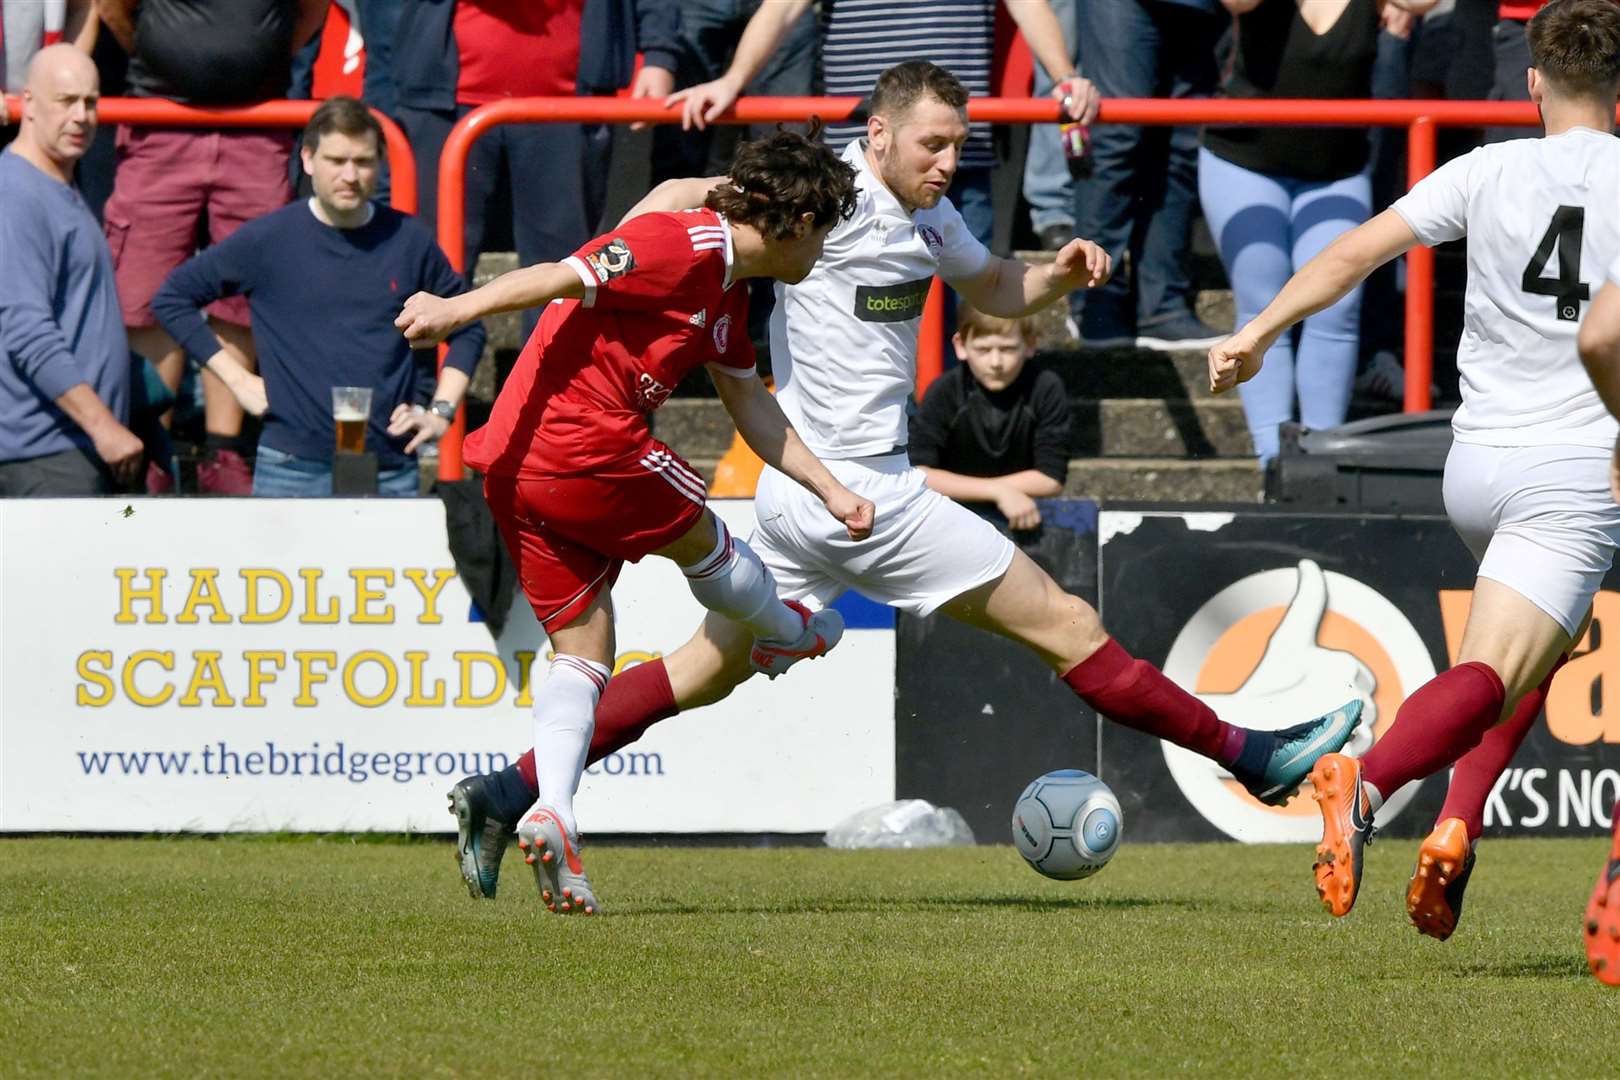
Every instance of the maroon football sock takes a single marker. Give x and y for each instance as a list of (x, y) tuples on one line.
[(1135, 693), (635, 700), (1477, 770), (1438, 724)]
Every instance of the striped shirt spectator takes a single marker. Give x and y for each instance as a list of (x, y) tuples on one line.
[(864, 38)]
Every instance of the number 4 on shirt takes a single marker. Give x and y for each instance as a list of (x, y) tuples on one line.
[(1568, 223)]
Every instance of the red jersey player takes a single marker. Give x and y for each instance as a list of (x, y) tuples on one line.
[(577, 483)]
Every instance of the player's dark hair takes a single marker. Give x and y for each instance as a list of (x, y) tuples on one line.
[(1575, 45), (902, 86), (776, 180), (345, 115)]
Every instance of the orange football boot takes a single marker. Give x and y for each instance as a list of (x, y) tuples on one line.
[(1346, 829), (1435, 894), (1602, 924)]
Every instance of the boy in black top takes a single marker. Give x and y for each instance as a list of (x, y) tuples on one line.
[(991, 430)]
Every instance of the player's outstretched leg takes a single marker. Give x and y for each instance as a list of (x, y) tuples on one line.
[(1445, 862), (731, 581), (558, 873), (1025, 604)]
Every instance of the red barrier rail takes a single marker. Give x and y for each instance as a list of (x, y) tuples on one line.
[(1420, 118), (154, 112)]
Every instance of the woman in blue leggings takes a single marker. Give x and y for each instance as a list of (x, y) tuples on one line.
[(1274, 197)]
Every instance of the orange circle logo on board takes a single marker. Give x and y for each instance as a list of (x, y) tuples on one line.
[(1278, 648)]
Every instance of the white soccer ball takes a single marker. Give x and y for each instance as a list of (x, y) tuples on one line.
[(1067, 824)]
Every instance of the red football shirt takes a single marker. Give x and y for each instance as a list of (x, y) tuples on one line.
[(659, 301)]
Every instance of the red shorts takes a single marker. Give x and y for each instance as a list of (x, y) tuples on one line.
[(569, 536), (166, 179)]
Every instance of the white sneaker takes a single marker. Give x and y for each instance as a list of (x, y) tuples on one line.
[(564, 889), (822, 631)]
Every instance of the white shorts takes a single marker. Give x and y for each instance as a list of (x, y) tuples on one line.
[(924, 549), (1540, 520)]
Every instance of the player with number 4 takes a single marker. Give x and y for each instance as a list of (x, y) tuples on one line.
[(1526, 483)]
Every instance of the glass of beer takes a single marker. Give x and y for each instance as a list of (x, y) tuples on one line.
[(351, 409)]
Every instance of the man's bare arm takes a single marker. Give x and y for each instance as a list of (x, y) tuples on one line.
[(427, 319)]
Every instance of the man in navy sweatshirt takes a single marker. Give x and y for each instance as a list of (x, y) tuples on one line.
[(64, 360), (324, 280)]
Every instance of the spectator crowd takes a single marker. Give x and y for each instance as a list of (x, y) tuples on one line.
[(211, 287)]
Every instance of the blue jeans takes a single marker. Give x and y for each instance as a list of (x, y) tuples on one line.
[(378, 20), (1048, 188), (1511, 42), (1267, 227), (970, 193), (280, 475), (1140, 197)]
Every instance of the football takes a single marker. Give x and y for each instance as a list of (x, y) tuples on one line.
[(1067, 824)]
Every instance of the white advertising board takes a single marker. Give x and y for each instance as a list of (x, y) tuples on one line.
[(265, 665)]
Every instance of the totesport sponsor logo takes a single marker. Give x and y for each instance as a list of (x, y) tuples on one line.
[(1279, 647)]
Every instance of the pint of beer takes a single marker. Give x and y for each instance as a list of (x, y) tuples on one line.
[(351, 411)]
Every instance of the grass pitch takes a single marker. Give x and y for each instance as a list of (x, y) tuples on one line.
[(313, 958)]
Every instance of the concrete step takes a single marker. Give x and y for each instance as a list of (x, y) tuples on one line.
[(1131, 373), (1141, 479), (1153, 427), (1115, 427)]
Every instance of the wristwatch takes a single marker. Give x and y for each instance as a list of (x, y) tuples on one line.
[(443, 410)]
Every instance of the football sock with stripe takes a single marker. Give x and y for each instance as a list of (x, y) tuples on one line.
[(564, 714), (635, 699), (731, 581), (1135, 693), (1477, 770), (1444, 719)]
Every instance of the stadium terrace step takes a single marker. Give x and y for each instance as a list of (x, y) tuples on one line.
[(1136, 427), (1131, 373)]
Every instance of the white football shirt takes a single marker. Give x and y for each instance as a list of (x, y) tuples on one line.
[(844, 340), (1542, 217)]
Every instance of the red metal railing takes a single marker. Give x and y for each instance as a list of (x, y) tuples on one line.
[(1420, 118), (153, 112)]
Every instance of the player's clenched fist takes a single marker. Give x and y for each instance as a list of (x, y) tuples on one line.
[(856, 513), (1084, 260), (1235, 360), (427, 319)]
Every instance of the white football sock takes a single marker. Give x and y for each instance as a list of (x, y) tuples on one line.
[(731, 581), (1375, 798), (564, 717)]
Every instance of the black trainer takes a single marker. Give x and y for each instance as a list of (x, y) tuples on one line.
[(481, 837)]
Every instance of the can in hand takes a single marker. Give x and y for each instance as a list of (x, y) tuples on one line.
[(1076, 140)]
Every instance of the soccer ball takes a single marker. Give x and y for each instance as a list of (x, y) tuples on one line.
[(1067, 824)]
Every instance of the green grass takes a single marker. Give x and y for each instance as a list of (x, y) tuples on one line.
[(243, 957)]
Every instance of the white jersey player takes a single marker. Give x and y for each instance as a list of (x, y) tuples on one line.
[(844, 344), (1526, 483)]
